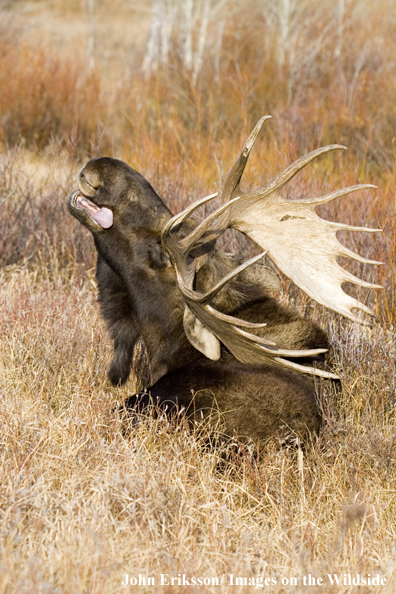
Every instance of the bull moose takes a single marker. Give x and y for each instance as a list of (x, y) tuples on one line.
[(216, 341)]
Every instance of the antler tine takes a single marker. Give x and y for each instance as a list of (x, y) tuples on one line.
[(175, 247), (354, 256), (337, 194), (284, 352), (347, 277), (310, 370), (342, 227), (174, 224), (205, 297), (195, 235), (285, 176), (234, 177)]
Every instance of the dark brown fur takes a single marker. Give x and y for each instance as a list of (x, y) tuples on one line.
[(140, 299)]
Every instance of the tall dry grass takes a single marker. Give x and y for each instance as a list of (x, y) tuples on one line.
[(81, 503)]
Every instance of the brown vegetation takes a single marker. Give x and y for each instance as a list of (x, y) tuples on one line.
[(81, 505)]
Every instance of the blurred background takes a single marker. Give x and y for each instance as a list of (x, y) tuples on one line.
[(99, 74)]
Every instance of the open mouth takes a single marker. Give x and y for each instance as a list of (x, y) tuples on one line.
[(100, 214)]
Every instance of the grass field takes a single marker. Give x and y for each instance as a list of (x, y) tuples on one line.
[(82, 506)]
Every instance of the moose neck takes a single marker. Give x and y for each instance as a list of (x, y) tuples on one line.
[(156, 301)]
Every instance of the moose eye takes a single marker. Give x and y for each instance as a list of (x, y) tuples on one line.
[(92, 183)]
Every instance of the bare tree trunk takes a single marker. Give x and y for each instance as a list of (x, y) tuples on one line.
[(201, 41), (217, 51), (284, 30), (168, 21), (91, 34), (177, 19), (151, 58), (340, 29), (188, 26)]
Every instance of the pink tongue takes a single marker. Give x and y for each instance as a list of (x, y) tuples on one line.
[(104, 217)]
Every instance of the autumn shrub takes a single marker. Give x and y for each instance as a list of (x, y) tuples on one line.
[(46, 96)]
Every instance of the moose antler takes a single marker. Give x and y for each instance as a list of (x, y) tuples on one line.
[(303, 246)]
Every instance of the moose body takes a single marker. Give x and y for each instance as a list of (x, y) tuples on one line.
[(142, 295)]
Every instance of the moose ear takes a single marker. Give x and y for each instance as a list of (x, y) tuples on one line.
[(263, 276), (157, 257), (200, 337)]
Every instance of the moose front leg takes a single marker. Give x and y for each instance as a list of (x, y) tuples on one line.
[(118, 313)]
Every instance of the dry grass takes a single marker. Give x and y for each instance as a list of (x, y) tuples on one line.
[(81, 503)]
